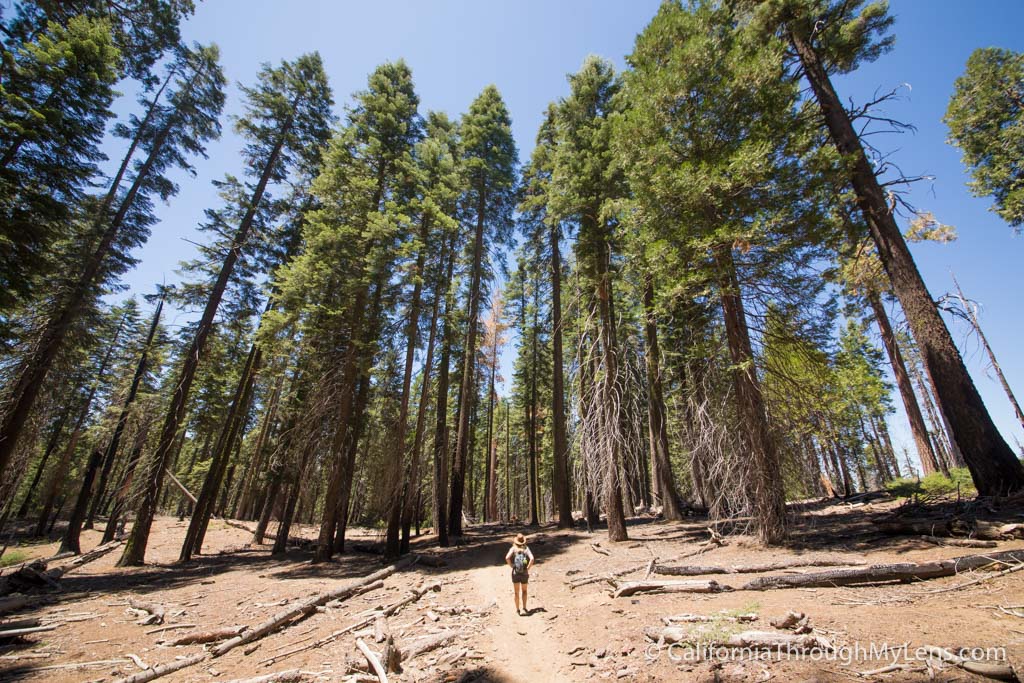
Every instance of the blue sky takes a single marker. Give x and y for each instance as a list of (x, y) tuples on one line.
[(527, 47)]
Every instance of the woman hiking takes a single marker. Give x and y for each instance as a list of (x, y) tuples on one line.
[(520, 559)]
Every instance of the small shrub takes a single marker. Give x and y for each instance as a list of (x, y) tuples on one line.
[(935, 484)]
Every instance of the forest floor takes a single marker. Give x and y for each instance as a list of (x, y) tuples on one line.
[(570, 634)]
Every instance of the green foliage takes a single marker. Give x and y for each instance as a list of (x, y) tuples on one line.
[(12, 557), (935, 484), (986, 121), (54, 106)]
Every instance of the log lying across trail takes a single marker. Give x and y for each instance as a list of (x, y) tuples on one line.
[(880, 573), (699, 570), (282, 619)]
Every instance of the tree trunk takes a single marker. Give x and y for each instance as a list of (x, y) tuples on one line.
[(993, 466), (561, 485), (441, 289), (122, 420), (661, 464), (233, 423), (50, 447), (764, 473), (899, 371), (135, 549), (467, 390), (412, 329)]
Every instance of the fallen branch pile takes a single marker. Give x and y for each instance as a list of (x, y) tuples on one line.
[(371, 618), (282, 619)]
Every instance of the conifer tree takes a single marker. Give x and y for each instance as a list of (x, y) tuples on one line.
[(829, 38), (986, 121), (56, 96), (489, 160), (352, 241), (584, 184), (168, 135), (286, 120)]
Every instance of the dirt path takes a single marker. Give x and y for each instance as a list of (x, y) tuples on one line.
[(523, 647)]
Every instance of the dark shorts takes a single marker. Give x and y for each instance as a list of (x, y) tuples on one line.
[(520, 577)]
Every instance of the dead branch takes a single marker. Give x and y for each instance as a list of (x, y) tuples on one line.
[(388, 611), (16, 632), (171, 627), (163, 669), (289, 676), (960, 542), (426, 644), (156, 612), (372, 659), (703, 618)]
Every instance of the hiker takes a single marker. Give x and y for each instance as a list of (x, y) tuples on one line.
[(520, 559)]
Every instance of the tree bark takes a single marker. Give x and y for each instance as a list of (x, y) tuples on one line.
[(993, 466), (233, 423), (467, 390), (560, 483), (412, 330), (906, 389), (661, 464), (764, 473)]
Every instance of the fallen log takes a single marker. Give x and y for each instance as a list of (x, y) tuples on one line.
[(289, 676), (82, 665), (960, 542), (700, 570), (19, 623), (94, 554), (606, 577), (628, 588), (214, 636), (16, 632), (1000, 671), (388, 611), (759, 640), (163, 669), (308, 606), (704, 618), (881, 573), (17, 602), (949, 527)]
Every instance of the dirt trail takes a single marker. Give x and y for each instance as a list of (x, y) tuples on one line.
[(523, 647)]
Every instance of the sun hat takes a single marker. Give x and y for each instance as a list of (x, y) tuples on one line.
[(520, 540)]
